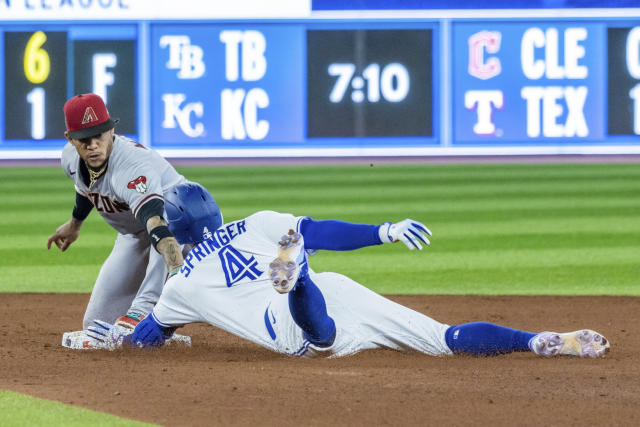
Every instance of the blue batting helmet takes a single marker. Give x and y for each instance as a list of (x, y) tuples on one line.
[(192, 212)]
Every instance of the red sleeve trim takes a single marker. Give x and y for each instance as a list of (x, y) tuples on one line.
[(145, 200)]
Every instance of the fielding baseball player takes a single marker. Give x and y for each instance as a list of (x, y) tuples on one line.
[(228, 281), (126, 183)]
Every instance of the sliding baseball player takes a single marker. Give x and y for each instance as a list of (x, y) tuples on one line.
[(228, 281)]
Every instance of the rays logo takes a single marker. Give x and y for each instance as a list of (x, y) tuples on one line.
[(236, 267)]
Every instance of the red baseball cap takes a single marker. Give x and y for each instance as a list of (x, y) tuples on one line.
[(86, 115)]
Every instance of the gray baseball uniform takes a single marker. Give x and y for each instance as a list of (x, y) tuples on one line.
[(132, 277)]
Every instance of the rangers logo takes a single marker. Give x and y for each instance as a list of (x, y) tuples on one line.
[(90, 116), (139, 184)]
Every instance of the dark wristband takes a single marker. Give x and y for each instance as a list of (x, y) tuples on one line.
[(154, 207), (82, 208), (159, 233)]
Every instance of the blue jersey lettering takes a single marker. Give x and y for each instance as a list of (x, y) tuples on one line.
[(233, 268), (222, 236), (197, 252), (236, 267), (231, 231)]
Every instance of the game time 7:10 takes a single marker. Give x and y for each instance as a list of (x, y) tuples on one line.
[(391, 82)]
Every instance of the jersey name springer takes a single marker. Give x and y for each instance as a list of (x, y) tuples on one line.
[(219, 239)]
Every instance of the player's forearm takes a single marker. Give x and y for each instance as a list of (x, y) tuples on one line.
[(165, 243), (170, 250), (336, 235), (81, 210)]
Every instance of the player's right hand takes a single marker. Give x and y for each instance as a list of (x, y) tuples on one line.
[(149, 333), (65, 235), (410, 232)]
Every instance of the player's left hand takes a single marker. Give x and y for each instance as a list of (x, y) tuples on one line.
[(110, 336), (410, 232)]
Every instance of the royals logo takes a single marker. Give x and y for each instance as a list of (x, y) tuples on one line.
[(139, 184)]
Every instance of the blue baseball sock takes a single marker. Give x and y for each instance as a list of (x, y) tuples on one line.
[(309, 311), (486, 339)]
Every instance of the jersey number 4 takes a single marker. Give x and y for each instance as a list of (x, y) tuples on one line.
[(236, 267)]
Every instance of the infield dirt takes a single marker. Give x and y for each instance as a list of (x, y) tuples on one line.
[(223, 380)]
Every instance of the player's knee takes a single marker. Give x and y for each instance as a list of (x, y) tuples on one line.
[(309, 310), (325, 336)]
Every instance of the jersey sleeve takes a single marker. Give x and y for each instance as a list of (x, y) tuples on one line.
[(69, 160), (136, 182), (337, 235), (274, 225), (173, 307)]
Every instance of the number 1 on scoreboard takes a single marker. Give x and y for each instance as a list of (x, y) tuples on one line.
[(36, 99)]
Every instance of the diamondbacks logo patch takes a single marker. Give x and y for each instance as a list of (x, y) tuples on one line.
[(139, 184), (90, 116)]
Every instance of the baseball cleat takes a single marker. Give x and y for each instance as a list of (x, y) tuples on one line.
[(583, 343), (285, 269)]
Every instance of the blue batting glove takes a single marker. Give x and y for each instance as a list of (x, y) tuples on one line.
[(409, 232), (149, 333)]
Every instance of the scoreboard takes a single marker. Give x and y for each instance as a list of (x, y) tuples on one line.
[(227, 85), (44, 66), (330, 87), (548, 75), (369, 83), (289, 86)]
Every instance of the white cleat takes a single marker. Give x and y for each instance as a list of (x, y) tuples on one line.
[(583, 343), (285, 269)]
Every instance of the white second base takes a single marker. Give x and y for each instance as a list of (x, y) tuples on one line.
[(79, 340)]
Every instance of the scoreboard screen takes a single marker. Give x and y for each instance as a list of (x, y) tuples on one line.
[(624, 81), (35, 84), (548, 75), (227, 85), (369, 83), (43, 67), (329, 86)]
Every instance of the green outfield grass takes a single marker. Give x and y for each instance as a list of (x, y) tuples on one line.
[(18, 410), (498, 229)]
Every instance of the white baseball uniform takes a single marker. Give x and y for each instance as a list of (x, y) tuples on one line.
[(132, 277), (224, 281)]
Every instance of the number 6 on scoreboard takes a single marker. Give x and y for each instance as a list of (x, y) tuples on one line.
[(36, 60)]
